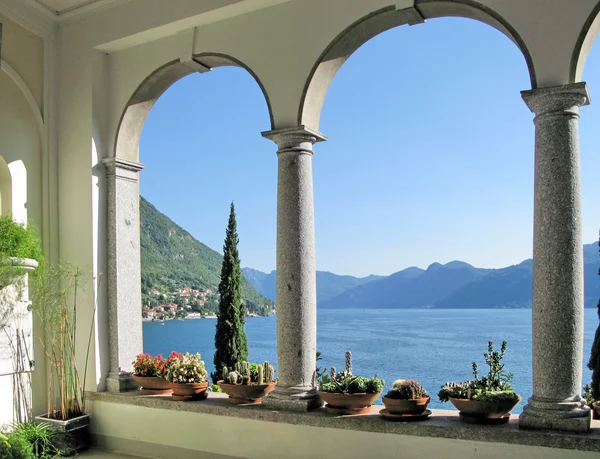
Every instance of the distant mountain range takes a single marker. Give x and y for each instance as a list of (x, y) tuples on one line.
[(329, 285), (454, 285)]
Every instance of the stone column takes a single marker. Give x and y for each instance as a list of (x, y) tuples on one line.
[(296, 271), (557, 263), (123, 272)]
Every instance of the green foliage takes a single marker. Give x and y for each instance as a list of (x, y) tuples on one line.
[(492, 387), (57, 292), (345, 382), (215, 388), (41, 436), (16, 447), (594, 362), (407, 389), (231, 342), (173, 259), (19, 241)]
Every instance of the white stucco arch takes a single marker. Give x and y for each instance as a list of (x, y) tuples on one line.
[(588, 35), (5, 188), (149, 91), (361, 31)]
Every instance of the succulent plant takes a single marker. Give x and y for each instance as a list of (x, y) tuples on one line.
[(407, 389), (234, 378), (269, 372), (261, 374), (349, 362), (224, 374)]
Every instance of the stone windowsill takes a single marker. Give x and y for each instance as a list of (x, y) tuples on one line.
[(442, 423)]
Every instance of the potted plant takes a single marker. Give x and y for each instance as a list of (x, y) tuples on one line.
[(57, 294), (406, 397), (20, 255), (485, 400), (248, 383), (150, 373), (345, 393), (187, 376)]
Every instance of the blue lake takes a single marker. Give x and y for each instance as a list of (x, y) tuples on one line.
[(433, 346)]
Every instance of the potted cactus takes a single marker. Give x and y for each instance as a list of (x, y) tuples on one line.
[(406, 397), (150, 373), (345, 393), (485, 400), (187, 376), (248, 383)]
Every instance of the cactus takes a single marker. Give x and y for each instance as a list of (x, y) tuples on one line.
[(234, 378), (224, 374), (245, 369), (261, 374), (246, 380), (332, 373), (269, 372), (349, 362)]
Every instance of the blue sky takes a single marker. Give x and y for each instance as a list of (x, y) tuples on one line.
[(429, 158)]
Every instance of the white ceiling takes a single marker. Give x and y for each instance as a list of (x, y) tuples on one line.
[(64, 6)]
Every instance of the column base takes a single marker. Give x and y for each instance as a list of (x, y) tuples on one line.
[(564, 415), (120, 383), (293, 399)]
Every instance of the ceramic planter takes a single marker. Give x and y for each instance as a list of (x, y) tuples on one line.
[(340, 403), (152, 385), (481, 411), (74, 433), (414, 406), (240, 394), (189, 391)]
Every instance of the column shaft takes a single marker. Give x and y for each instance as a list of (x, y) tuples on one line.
[(296, 271), (123, 272), (557, 263)]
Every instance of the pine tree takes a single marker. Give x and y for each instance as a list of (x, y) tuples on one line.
[(230, 339)]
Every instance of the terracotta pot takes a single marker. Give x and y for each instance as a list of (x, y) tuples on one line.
[(486, 410), (153, 385), (349, 403), (413, 406), (240, 394), (189, 391)]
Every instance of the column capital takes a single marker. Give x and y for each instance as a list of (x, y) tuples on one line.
[(122, 168), (293, 138), (556, 99)]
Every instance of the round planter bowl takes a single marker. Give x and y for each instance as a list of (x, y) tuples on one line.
[(488, 410), (189, 391), (413, 406), (152, 385), (350, 402), (240, 394)]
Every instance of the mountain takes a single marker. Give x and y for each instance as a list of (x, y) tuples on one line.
[(173, 259), (460, 285), (329, 285), (513, 286), (409, 288)]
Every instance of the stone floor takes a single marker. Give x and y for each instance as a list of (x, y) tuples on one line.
[(95, 454)]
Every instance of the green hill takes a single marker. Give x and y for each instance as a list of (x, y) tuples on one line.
[(172, 259)]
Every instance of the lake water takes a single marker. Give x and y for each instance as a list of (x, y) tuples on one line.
[(433, 346)]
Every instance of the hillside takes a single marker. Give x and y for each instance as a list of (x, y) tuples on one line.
[(329, 284), (173, 259)]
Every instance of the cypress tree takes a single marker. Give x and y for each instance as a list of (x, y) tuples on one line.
[(231, 342), (594, 363)]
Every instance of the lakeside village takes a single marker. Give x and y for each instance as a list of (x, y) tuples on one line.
[(186, 303)]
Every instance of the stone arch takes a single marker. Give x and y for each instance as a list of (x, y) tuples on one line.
[(586, 39), (361, 31), (5, 188), (148, 92)]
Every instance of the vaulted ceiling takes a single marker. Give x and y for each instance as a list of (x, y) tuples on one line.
[(64, 6)]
